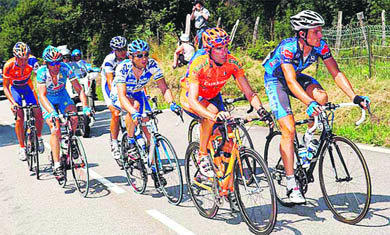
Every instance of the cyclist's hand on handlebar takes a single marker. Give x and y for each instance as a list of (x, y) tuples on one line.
[(363, 101), (265, 116), (222, 116), (54, 115), (87, 111), (176, 108), (14, 107), (136, 116), (314, 109)]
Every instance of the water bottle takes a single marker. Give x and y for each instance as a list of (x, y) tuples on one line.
[(303, 156), (312, 149)]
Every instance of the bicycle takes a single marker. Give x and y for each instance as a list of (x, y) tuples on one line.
[(72, 155), (194, 132), (252, 182), (159, 154), (31, 138), (336, 155)]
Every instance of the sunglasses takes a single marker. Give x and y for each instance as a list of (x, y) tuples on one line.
[(141, 55), (54, 63)]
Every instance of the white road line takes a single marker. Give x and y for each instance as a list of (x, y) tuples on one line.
[(100, 178), (169, 222)]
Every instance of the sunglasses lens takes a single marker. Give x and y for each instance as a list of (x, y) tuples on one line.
[(143, 55)]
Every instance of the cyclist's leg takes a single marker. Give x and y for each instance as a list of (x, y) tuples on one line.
[(32, 98), (115, 113), (19, 128)]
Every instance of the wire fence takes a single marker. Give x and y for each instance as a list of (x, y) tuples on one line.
[(365, 48)]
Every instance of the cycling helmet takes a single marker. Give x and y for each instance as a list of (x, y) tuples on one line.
[(51, 54), (21, 50), (118, 43), (306, 19), (138, 45), (64, 50), (76, 52), (215, 37)]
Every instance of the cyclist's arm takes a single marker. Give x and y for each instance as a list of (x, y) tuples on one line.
[(43, 97), (80, 91), (340, 79), (162, 85), (193, 95), (110, 78), (176, 54), (244, 86), (124, 100), (292, 83), (7, 91)]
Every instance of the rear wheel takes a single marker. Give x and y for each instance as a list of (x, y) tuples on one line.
[(169, 177), (255, 192), (200, 187), (79, 165), (136, 172)]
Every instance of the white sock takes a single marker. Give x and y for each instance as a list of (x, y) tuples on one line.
[(114, 144), (291, 182), (56, 165)]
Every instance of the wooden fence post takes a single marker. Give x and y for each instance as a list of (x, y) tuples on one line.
[(188, 24), (255, 31), (360, 16), (218, 22), (383, 29), (234, 30), (339, 27)]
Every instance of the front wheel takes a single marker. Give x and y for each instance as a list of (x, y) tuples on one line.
[(345, 180), (170, 176), (32, 149), (79, 166), (255, 192)]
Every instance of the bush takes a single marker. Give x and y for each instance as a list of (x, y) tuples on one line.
[(261, 49)]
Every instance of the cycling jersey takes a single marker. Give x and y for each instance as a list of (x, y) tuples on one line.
[(108, 66), (288, 52), (44, 77), (211, 78)]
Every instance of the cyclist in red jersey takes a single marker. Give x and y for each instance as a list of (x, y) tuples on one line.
[(17, 86), (200, 95)]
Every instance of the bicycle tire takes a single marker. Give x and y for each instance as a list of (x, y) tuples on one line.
[(261, 192), (362, 198), (79, 166), (167, 165), (194, 190), (193, 131), (27, 132), (137, 182), (273, 159)]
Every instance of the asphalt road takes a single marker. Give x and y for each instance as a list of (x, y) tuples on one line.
[(30, 206)]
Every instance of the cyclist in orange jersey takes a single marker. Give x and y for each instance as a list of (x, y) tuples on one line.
[(18, 86), (200, 95)]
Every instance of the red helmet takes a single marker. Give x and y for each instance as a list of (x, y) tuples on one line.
[(215, 37)]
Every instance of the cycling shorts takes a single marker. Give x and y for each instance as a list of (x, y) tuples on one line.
[(278, 93), (138, 96), (216, 101), (62, 100), (106, 93), (23, 92)]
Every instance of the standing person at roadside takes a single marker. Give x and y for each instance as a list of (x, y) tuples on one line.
[(283, 78), (51, 79), (18, 86), (118, 45), (184, 52), (201, 15)]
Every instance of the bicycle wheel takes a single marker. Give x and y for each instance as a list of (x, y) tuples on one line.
[(275, 165), (256, 200), (199, 186), (345, 180), (245, 137), (79, 166), (136, 172), (32, 149), (169, 168), (194, 131)]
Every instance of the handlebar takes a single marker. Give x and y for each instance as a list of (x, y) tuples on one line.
[(331, 107), (28, 106)]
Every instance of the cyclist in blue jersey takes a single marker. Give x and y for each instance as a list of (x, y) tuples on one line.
[(118, 45), (131, 76), (283, 78), (51, 79)]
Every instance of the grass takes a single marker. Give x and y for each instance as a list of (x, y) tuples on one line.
[(375, 130)]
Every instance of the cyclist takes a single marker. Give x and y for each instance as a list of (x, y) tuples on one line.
[(51, 79), (200, 93), (131, 76), (118, 45), (65, 53), (17, 86), (283, 77)]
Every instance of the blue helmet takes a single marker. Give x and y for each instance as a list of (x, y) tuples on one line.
[(138, 45), (118, 43), (51, 54), (76, 52)]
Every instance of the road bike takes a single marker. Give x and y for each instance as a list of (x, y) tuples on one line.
[(343, 173), (72, 155), (241, 172), (160, 154)]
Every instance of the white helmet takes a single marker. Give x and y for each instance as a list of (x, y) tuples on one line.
[(184, 37), (306, 19)]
